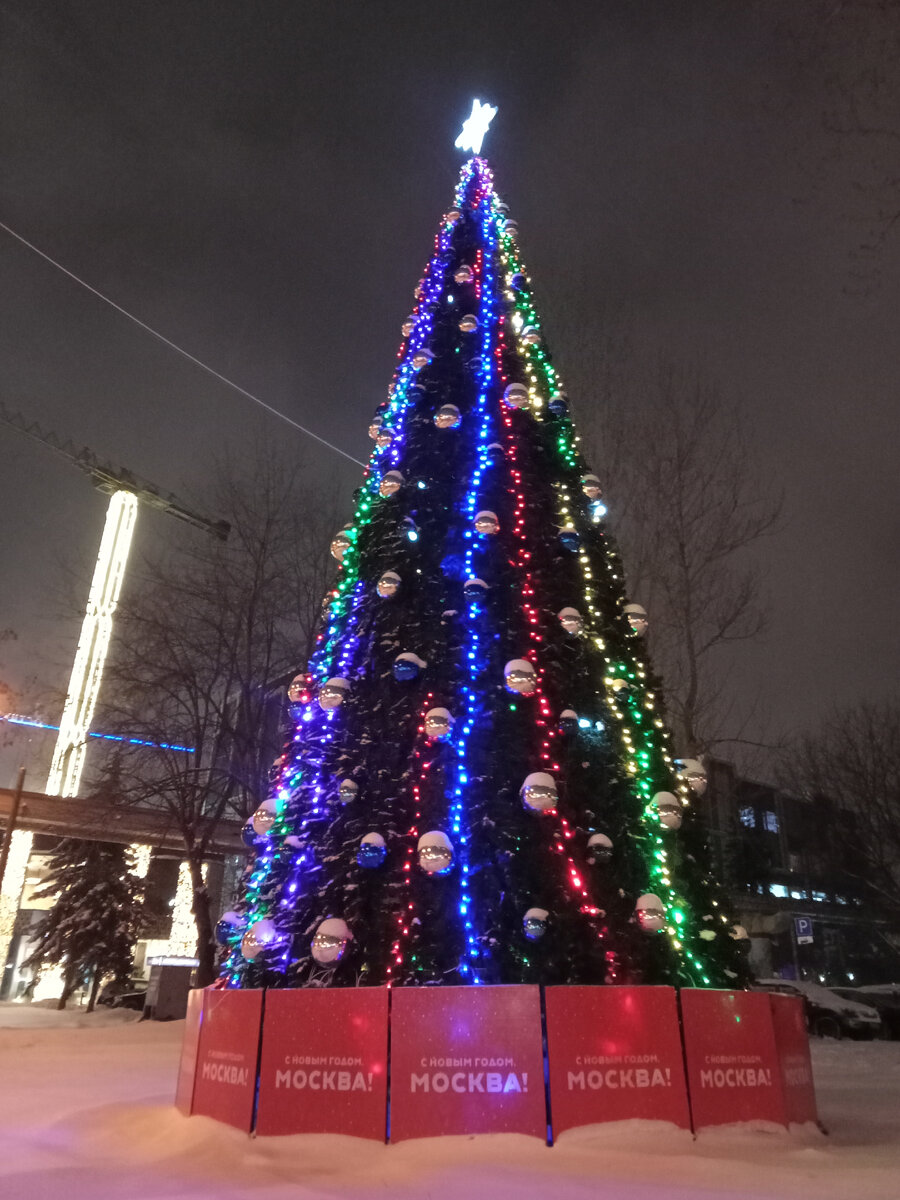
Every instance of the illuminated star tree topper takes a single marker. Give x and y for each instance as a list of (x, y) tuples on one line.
[(475, 127)]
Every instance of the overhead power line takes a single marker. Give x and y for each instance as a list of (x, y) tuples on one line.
[(172, 346)]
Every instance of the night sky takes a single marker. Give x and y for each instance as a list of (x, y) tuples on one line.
[(261, 182)]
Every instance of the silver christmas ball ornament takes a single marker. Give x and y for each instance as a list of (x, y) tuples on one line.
[(570, 619), (262, 935), (408, 666), (374, 426), (534, 923), (384, 439), (516, 395), (590, 485), (487, 522), (452, 216), (510, 226), (422, 358), (372, 851), (438, 723), (651, 913), (391, 483), (333, 693), (340, 544), (388, 584), (447, 417), (539, 792), (568, 720), (264, 817), (227, 926), (469, 323), (599, 849), (408, 325), (531, 335), (348, 790), (300, 688), (330, 942), (693, 772), (435, 852), (636, 616), (520, 676), (668, 808), (463, 274)]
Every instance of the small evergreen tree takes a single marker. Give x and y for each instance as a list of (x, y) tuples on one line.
[(93, 925)]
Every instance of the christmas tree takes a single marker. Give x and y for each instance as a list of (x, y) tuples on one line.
[(479, 785)]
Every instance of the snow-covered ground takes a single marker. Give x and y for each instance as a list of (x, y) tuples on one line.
[(86, 1112)]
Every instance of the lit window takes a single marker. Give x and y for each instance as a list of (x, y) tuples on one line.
[(819, 897), (841, 899), (778, 889), (770, 821), (797, 895), (748, 816)]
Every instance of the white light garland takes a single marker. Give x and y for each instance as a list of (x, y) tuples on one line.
[(182, 942), (141, 856)]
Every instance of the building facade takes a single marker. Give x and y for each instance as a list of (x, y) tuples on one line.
[(798, 883)]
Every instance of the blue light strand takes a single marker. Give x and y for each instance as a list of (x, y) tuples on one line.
[(472, 649), (32, 723)]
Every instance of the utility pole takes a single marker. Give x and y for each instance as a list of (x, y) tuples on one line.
[(126, 492)]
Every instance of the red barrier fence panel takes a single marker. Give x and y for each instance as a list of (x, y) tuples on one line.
[(190, 1044), (324, 1062), (792, 1042), (225, 1081), (466, 1060), (732, 1061), (615, 1053)]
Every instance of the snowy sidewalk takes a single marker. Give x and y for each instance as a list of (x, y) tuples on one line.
[(86, 1112)]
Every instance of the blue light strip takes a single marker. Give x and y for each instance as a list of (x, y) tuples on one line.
[(487, 322), (15, 719)]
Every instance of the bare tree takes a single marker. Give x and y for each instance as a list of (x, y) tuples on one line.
[(853, 759), (688, 503), (206, 635)]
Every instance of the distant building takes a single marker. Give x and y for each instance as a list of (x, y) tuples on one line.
[(797, 883)]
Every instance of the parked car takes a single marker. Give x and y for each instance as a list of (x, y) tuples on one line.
[(129, 994), (827, 1013), (884, 999)]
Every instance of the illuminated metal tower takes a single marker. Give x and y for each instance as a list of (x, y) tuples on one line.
[(90, 657), (126, 491)]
